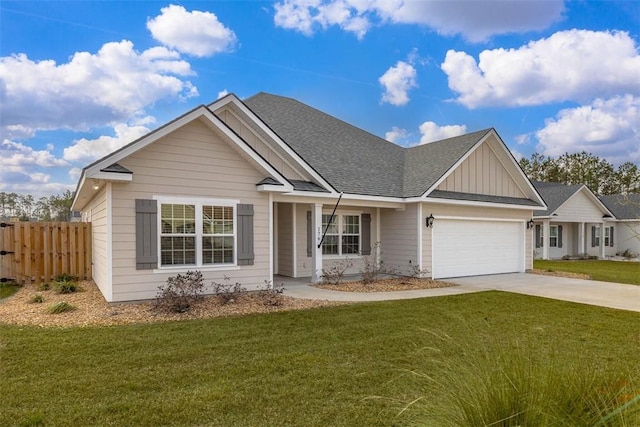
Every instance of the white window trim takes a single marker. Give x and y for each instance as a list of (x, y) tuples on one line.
[(198, 203), (339, 214), (597, 240), (551, 236), (607, 237)]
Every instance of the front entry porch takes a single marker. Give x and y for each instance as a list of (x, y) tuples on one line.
[(557, 240)]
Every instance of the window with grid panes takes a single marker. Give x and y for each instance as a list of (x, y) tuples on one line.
[(342, 236)]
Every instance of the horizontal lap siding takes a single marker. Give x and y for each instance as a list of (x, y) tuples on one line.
[(399, 238), (191, 162), (627, 235), (98, 218)]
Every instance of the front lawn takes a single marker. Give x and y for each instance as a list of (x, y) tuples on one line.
[(8, 289), (338, 366), (606, 271)]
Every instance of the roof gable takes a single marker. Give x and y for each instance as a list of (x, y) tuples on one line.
[(575, 202), (623, 206)]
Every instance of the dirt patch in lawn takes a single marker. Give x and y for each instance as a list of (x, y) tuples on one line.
[(387, 285), (92, 309), (560, 274)]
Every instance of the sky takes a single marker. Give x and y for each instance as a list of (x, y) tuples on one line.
[(79, 79)]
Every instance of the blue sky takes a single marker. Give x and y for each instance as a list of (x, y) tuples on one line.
[(79, 79)]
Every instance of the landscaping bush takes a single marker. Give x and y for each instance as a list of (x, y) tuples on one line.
[(271, 295), (36, 299), (373, 268), (66, 287), (334, 274), (180, 293), (227, 292), (60, 307), (64, 277)]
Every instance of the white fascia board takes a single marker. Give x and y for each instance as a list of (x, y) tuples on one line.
[(482, 204), (112, 176), (74, 206), (231, 98), (313, 197), (272, 188)]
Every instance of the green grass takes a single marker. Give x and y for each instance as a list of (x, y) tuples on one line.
[(8, 289), (606, 271), (340, 366)]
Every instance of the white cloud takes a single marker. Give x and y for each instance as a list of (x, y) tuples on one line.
[(115, 84), (475, 20), (575, 65), (15, 154), (432, 132), (516, 154), (396, 135), (87, 150), (397, 82), (195, 33), (223, 93), (607, 128), (74, 173)]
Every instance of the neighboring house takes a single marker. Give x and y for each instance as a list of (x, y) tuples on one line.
[(578, 223), (246, 189), (626, 209)]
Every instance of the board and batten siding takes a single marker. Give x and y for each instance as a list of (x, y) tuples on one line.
[(192, 161), (482, 173), (399, 238), (304, 261), (96, 213), (260, 145)]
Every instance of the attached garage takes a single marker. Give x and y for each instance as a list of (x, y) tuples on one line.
[(464, 247)]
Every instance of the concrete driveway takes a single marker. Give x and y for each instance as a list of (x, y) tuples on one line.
[(604, 294)]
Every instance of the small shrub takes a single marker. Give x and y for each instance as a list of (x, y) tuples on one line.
[(334, 274), (374, 268), (66, 287), (180, 293), (44, 287), (36, 299), (60, 307), (628, 254), (64, 277), (227, 292), (270, 295)]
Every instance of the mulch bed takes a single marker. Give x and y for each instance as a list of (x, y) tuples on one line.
[(387, 285), (560, 274)]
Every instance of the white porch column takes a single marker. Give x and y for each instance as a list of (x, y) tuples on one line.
[(316, 252), (545, 239), (581, 246), (602, 247)]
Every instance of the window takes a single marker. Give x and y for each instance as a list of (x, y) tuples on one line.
[(342, 236), (596, 240), (553, 236), (196, 234), (608, 234)]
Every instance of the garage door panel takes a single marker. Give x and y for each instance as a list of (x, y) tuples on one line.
[(468, 247)]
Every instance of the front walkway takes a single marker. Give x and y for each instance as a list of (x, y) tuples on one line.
[(604, 294)]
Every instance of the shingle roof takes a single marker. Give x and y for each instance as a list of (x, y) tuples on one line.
[(623, 206), (353, 160), (554, 194)]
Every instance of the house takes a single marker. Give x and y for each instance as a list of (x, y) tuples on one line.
[(626, 209), (577, 223), (246, 189)]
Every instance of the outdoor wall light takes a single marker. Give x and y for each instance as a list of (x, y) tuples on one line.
[(430, 219), (530, 224), (96, 185)]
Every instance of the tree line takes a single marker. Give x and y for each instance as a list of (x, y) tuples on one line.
[(583, 168), (24, 207)]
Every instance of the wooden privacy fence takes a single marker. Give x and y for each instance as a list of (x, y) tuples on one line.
[(35, 252)]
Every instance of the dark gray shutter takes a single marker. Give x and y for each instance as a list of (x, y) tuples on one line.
[(366, 234), (559, 236), (309, 235), (593, 236), (611, 236), (537, 236), (146, 234), (245, 235)]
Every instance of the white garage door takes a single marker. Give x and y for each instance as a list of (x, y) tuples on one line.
[(469, 248)]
